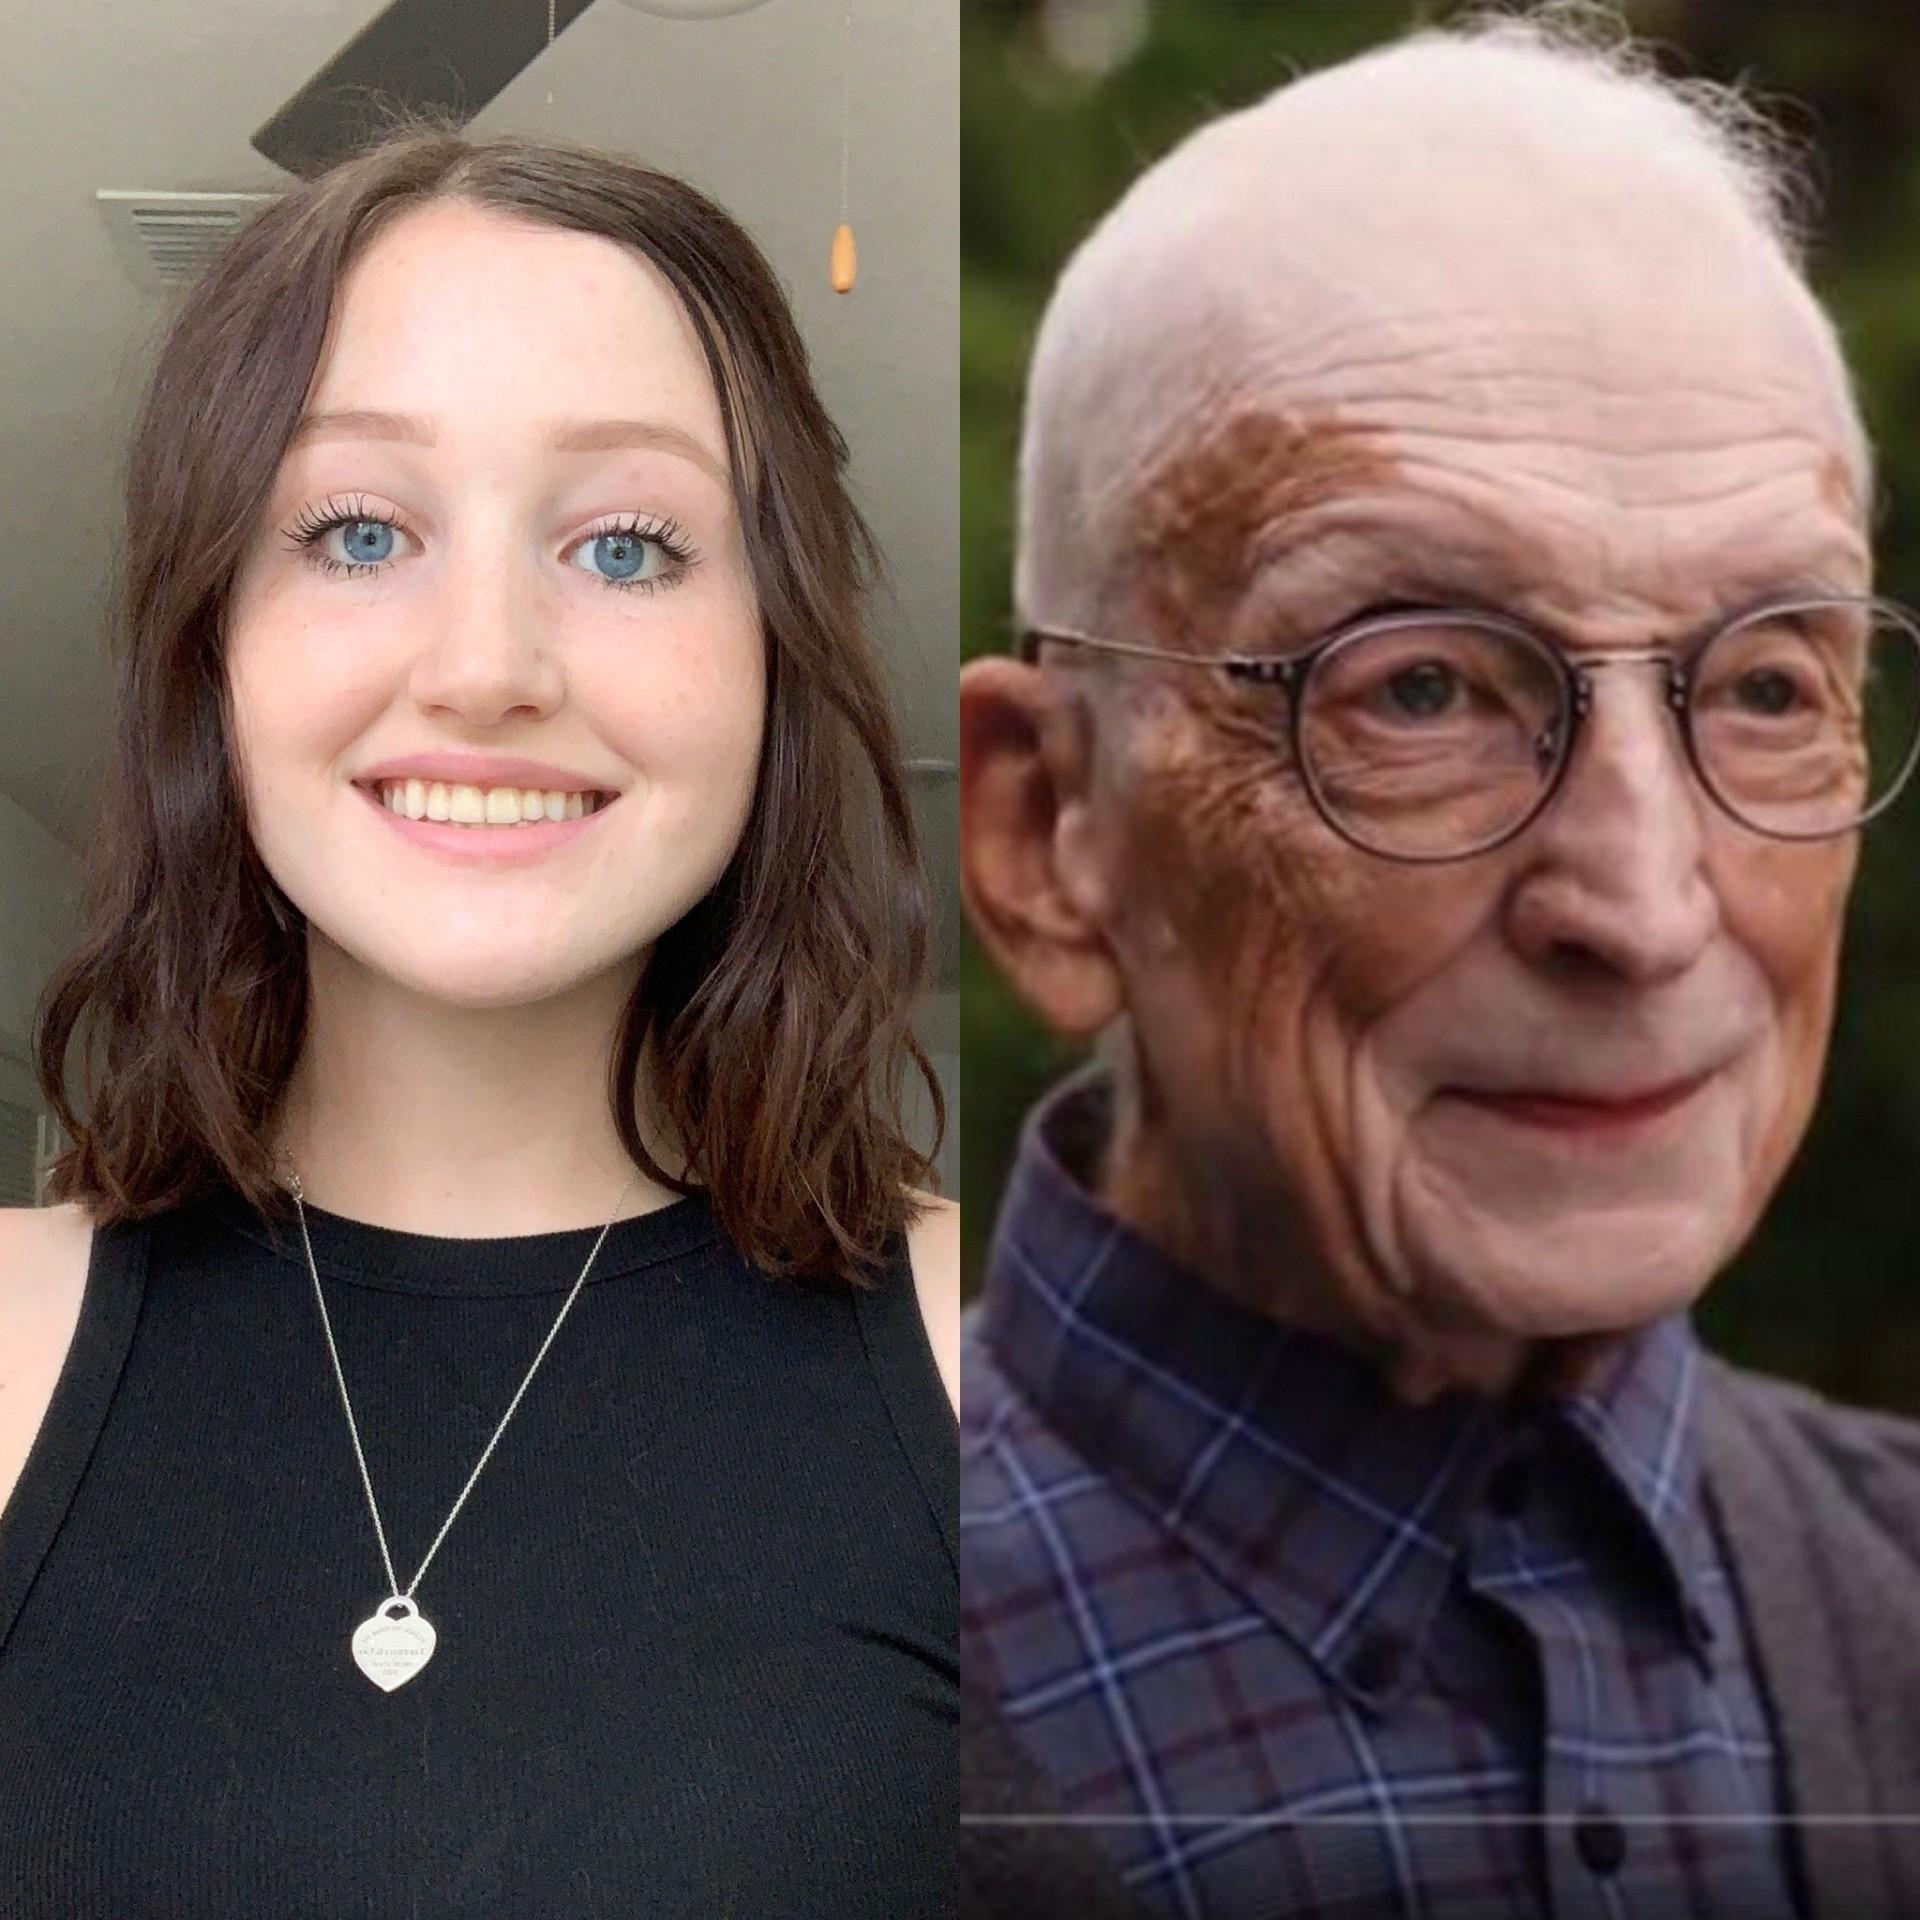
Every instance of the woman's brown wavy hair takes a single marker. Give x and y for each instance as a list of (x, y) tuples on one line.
[(773, 1017)]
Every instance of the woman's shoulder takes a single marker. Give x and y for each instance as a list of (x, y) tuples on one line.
[(933, 1251), (44, 1255)]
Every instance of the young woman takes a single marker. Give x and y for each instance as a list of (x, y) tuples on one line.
[(473, 1437)]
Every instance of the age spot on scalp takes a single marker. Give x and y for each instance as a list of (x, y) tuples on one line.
[(1220, 830), (1205, 512)]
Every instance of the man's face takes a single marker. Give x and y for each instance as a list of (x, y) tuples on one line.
[(1367, 1065)]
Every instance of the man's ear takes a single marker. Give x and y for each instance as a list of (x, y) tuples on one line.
[(1029, 862)]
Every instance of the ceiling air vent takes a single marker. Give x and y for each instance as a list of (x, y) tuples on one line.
[(164, 239)]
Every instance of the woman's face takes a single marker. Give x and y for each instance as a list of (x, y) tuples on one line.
[(486, 591)]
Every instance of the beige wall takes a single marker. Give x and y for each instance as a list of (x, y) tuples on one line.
[(37, 875)]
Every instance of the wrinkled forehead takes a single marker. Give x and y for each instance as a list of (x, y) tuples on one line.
[(1357, 290)]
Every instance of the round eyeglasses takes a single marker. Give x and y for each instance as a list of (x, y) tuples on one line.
[(1435, 734)]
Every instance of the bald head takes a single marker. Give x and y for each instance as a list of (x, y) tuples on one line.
[(1462, 216)]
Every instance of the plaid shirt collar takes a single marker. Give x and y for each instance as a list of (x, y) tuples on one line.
[(1345, 1525)]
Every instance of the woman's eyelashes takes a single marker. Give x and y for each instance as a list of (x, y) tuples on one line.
[(644, 552)]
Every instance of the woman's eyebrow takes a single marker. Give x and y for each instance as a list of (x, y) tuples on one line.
[(564, 436)]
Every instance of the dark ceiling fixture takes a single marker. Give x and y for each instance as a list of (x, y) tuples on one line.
[(694, 9), (439, 55), (449, 58)]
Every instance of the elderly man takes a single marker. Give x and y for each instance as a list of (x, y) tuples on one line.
[(1449, 702)]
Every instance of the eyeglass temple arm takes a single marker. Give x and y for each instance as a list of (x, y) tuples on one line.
[(1281, 672)]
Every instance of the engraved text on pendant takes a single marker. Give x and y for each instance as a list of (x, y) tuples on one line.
[(391, 1648)]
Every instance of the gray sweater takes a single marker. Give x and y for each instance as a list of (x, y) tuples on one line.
[(1821, 1509), (1820, 1506)]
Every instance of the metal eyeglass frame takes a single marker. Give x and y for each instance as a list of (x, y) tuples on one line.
[(1291, 672)]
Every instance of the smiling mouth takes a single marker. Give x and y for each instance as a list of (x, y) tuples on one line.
[(592, 801), (1566, 1113)]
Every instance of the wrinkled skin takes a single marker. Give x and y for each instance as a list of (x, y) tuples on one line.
[(1622, 433)]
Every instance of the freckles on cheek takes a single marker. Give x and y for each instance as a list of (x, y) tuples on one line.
[(701, 699)]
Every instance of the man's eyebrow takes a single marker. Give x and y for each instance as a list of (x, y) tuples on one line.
[(566, 436), (1328, 567), (1498, 564)]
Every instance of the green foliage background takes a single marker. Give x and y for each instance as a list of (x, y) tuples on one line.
[(1829, 1290)]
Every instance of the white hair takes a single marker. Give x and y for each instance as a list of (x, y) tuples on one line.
[(1149, 323), (1758, 161)]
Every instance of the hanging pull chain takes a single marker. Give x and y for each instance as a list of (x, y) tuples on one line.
[(843, 263)]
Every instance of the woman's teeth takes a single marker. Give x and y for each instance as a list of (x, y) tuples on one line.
[(484, 806)]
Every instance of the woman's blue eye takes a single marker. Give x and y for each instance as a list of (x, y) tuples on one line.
[(629, 556), (364, 552), (634, 555)]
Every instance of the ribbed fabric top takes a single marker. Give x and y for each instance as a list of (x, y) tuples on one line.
[(697, 1646)]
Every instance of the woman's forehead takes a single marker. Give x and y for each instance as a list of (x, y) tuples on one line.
[(454, 301)]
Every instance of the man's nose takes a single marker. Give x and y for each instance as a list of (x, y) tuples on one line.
[(1613, 874)]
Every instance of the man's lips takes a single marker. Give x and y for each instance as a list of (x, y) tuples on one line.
[(1574, 1113)]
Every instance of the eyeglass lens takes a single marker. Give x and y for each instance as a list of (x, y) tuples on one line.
[(1436, 739)]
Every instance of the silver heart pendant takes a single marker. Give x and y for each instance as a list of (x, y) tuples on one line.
[(390, 1648)]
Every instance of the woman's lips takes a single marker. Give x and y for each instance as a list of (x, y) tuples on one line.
[(1568, 1113), (487, 846)]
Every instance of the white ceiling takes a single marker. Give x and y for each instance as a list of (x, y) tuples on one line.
[(102, 93)]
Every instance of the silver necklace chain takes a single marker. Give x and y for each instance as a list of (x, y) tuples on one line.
[(392, 1650)]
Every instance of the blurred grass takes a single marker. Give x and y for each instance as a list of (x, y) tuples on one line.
[(1829, 1290)]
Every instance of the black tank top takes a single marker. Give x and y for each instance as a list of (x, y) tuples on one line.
[(698, 1650)]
